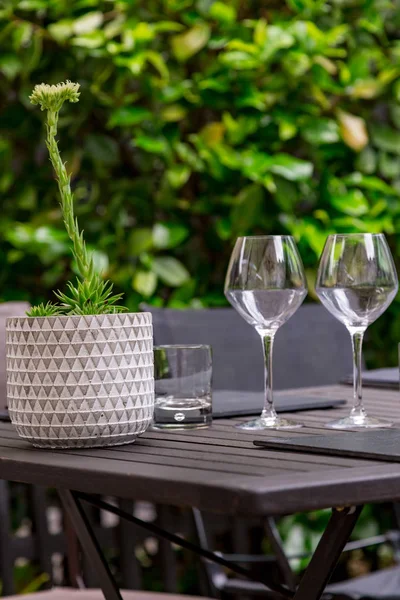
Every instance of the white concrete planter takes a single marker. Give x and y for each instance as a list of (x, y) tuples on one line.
[(79, 382)]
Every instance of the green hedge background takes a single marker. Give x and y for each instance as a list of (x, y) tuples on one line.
[(199, 121)]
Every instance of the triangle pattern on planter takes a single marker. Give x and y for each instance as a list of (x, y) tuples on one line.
[(80, 381)]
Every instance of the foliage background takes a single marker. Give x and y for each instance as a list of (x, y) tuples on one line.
[(199, 121)]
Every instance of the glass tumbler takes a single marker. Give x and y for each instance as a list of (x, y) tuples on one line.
[(183, 394)]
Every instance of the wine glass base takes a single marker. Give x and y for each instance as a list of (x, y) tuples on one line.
[(268, 423), (363, 422)]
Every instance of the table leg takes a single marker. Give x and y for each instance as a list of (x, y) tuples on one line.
[(281, 590), (327, 554), (90, 544)]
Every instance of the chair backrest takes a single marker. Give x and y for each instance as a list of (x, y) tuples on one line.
[(312, 348), (7, 309)]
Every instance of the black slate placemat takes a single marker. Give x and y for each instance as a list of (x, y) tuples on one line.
[(229, 403), (380, 444), (387, 378)]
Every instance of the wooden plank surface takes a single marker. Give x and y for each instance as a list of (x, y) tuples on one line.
[(218, 469)]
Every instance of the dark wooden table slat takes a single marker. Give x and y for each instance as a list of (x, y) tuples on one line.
[(218, 469)]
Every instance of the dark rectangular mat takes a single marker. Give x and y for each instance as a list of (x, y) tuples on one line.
[(381, 444), (387, 378), (229, 403)]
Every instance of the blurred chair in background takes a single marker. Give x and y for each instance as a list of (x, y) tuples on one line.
[(305, 348)]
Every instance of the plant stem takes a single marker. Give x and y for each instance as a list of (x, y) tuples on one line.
[(83, 260)]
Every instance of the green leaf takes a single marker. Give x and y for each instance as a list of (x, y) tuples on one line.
[(27, 198), (247, 210), (212, 133), (32, 5), (395, 114), (260, 32), (88, 23), (152, 144), (145, 283), (140, 240), (223, 228), (367, 89), (290, 167), (385, 138), (286, 194), (135, 63), (178, 175), (296, 63), (100, 261), (222, 12), (287, 129), (366, 161), (277, 39), (254, 164), (187, 44), (310, 38), (239, 129), (61, 30), (90, 41), (10, 66), (369, 183), (183, 296), (143, 32), (169, 235), (167, 26), (22, 35), (389, 165), (353, 203), (186, 153), (170, 270), (46, 242), (128, 115), (321, 131), (237, 59), (173, 112), (156, 59)]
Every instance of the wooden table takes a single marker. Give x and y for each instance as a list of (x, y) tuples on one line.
[(219, 470)]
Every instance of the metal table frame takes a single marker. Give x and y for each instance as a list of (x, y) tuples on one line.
[(312, 584)]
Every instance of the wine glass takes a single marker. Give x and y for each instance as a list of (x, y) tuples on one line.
[(356, 282), (266, 284)]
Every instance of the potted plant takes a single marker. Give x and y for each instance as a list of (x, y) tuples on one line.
[(79, 370)]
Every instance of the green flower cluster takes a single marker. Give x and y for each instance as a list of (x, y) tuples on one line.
[(52, 97)]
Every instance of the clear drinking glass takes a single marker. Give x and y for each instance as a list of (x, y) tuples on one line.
[(356, 282), (183, 398), (266, 284)]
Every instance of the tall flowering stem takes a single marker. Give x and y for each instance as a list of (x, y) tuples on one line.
[(91, 295), (51, 98)]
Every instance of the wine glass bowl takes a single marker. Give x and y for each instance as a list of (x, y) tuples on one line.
[(356, 282), (266, 284)]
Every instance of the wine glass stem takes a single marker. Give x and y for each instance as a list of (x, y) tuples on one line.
[(357, 340), (268, 410)]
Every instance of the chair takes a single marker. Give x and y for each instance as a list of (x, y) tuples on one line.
[(305, 348), (382, 585)]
